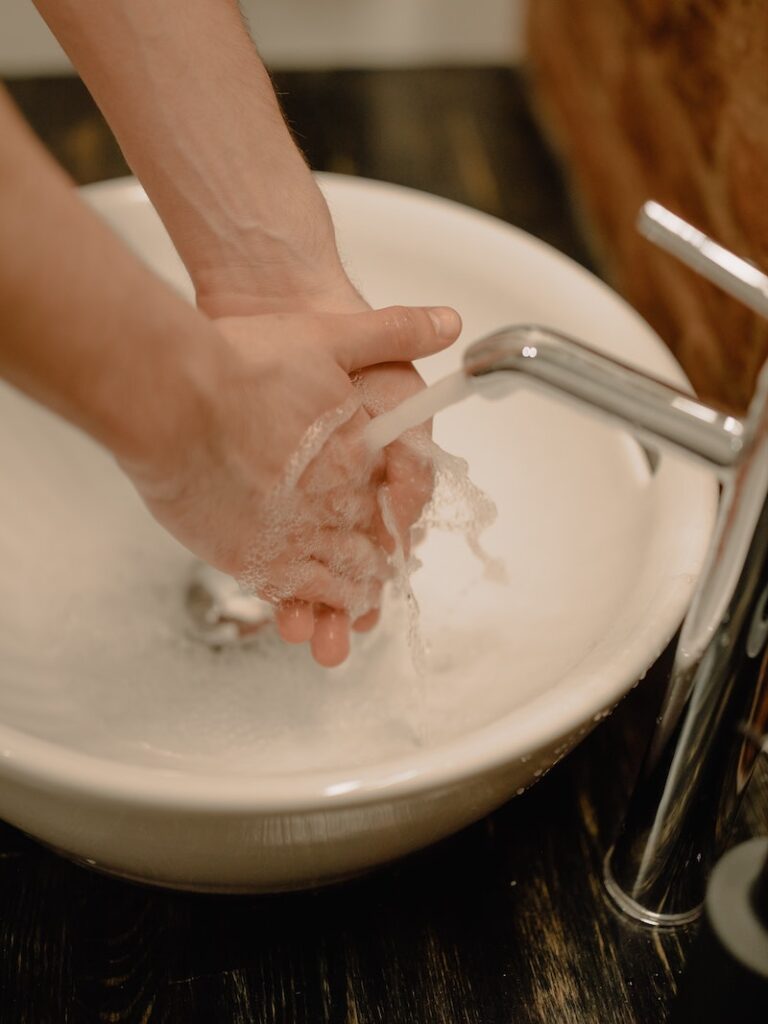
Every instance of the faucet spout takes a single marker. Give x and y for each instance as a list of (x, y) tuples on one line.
[(650, 409)]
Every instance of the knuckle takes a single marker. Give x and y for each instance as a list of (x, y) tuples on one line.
[(402, 323)]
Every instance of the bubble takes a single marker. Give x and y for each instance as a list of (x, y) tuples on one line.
[(458, 505), (319, 503), (305, 519)]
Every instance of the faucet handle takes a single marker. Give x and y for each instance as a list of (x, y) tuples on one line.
[(736, 276)]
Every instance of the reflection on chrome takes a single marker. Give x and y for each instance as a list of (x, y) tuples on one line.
[(651, 410)]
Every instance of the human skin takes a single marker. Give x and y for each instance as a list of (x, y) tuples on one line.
[(184, 402), (192, 106)]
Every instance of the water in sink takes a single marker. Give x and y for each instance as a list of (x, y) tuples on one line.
[(96, 655)]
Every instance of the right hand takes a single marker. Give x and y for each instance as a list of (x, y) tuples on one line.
[(269, 378)]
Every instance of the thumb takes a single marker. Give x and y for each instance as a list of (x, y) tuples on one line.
[(397, 334)]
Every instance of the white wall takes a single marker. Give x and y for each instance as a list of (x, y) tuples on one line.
[(321, 33)]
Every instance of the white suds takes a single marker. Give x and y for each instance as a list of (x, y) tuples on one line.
[(314, 506)]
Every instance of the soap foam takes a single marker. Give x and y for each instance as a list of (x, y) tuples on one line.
[(319, 500), (309, 509), (457, 504)]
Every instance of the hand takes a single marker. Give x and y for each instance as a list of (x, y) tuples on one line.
[(271, 378), (408, 478)]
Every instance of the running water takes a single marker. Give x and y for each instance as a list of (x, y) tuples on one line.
[(456, 505), (297, 522), (111, 610), (316, 493), (419, 408)]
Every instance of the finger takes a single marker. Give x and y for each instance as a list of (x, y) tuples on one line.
[(330, 640), (385, 526), (349, 505), (396, 334), (410, 477), (295, 622), (366, 622), (388, 384), (410, 481), (386, 540), (344, 474), (322, 587), (355, 557)]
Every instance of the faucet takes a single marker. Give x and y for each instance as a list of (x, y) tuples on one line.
[(709, 733)]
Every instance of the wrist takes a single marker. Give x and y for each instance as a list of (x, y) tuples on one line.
[(246, 292), (275, 250)]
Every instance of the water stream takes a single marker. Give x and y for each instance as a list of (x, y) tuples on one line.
[(419, 408)]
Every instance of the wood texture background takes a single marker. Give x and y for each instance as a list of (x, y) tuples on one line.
[(666, 100), (505, 923)]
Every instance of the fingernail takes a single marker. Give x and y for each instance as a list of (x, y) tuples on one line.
[(446, 320)]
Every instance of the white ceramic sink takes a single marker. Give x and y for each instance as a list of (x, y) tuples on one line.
[(128, 745)]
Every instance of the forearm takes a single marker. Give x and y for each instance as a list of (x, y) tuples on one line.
[(195, 113), (84, 327)]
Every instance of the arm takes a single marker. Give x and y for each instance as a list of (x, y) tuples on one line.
[(203, 415), (87, 330), (194, 111)]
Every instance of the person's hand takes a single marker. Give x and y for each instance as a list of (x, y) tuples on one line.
[(407, 476), (271, 378)]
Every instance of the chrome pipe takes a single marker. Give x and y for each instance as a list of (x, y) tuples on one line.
[(736, 276), (650, 409)]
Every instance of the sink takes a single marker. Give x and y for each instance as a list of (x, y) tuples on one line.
[(128, 745)]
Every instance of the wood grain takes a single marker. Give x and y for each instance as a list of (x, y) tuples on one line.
[(667, 101)]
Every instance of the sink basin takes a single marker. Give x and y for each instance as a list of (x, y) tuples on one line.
[(129, 745)]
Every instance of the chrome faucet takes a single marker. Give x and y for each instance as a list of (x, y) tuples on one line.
[(571, 370), (709, 733)]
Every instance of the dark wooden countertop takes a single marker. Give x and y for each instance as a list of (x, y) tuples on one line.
[(505, 923)]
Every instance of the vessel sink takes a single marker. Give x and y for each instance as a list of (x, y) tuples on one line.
[(131, 746)]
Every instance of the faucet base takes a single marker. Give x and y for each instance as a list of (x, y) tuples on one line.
[(631, 908)]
